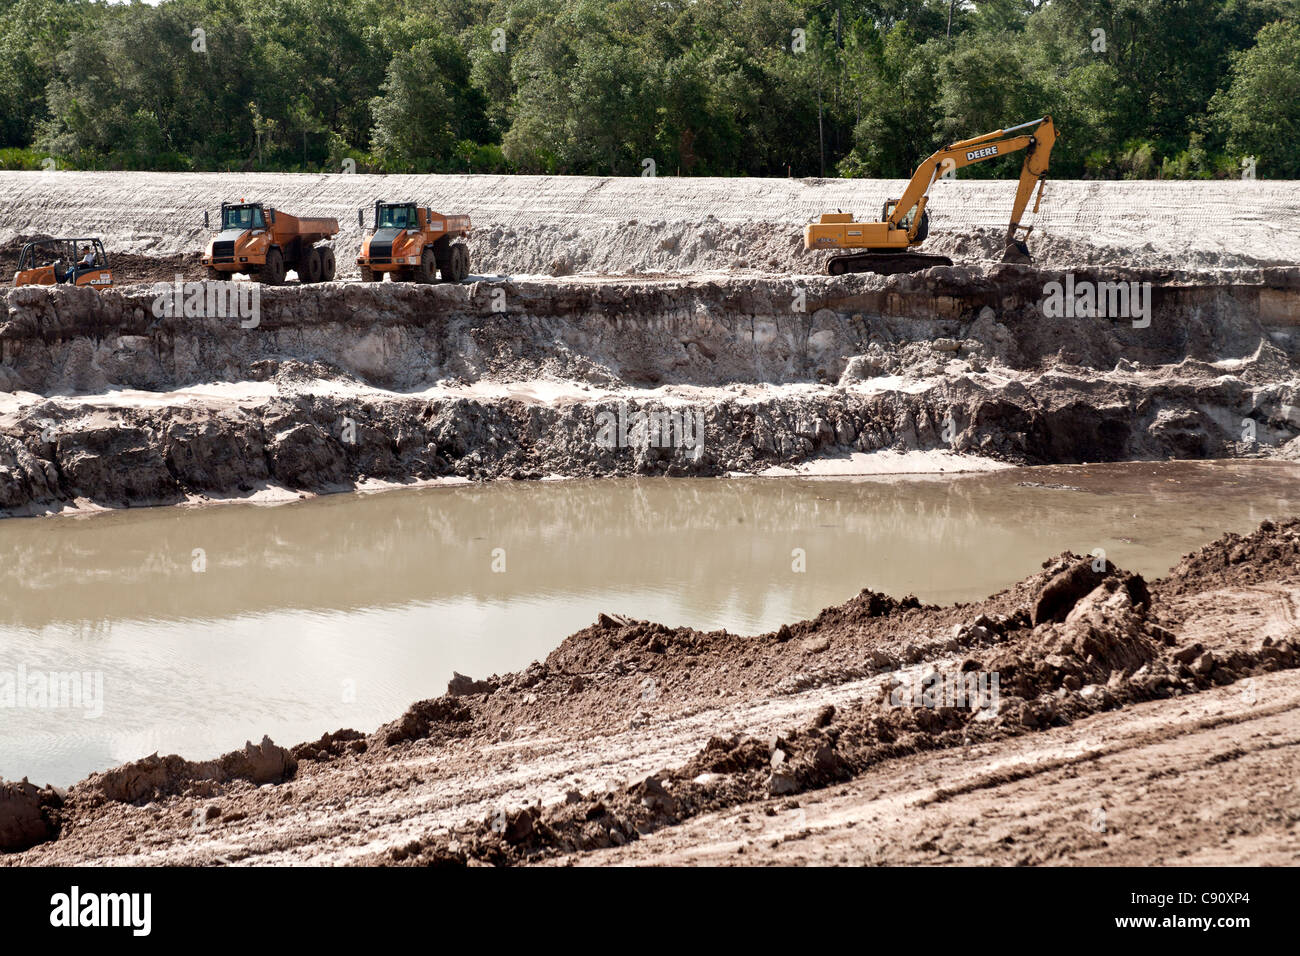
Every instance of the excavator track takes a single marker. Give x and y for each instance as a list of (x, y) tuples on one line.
[(884, 263)]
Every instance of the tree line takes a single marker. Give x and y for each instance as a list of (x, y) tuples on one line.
[(1138, 88)]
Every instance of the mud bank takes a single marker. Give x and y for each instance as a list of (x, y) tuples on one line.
[(631, 731), (109, 403)]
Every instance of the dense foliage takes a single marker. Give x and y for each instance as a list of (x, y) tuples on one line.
[(1139, 88)]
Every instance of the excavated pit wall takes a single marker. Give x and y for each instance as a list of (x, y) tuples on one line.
[(703, 332), (112, 404)]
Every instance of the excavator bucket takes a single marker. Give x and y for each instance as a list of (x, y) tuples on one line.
[(1017, 251)]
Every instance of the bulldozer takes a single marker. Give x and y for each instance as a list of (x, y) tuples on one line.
[(413, 244), (59, 261), (905, 222), (266, 243)]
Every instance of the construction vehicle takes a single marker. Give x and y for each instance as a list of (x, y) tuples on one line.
[(413, 244), (266, 243), (59, 261), (905, 222)]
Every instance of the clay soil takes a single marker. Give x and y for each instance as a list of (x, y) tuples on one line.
[(1136, 722)]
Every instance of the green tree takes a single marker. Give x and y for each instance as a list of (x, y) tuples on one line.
[(1260, 109), (899, 108), (413, 113), (32, 34)]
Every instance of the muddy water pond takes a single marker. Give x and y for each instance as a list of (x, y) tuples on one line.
[(196, 629)]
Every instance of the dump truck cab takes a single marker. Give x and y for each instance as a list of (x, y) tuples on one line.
[(265, 243), (413, 244), (63, 261)]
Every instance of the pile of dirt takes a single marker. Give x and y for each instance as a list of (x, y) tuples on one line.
[(1270, 553), (155, 777), (1083, 641), (28, 814), (559, 225)]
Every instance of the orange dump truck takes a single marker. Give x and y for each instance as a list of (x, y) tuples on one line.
[(266, 243), (414, 244)]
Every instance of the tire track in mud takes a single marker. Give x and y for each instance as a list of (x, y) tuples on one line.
[(1035, 800)]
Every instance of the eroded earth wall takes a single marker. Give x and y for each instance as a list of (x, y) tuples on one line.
[(121, 398)]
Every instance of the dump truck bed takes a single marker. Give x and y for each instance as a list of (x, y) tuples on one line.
[(310, 229), (456, 225)]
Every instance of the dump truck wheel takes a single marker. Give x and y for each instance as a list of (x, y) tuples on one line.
[(427, 271), (273, 272), (442, 252), (370, 275), (327, 265), (309, 266), (460, 262), (213, 274)]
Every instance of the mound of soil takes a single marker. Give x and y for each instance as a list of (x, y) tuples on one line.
[(1272, 552), (1078, 641), (154, 776)]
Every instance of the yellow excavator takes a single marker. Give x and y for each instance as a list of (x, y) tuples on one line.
[(905, 223)]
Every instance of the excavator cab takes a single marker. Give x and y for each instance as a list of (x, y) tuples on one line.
[(906, 222)]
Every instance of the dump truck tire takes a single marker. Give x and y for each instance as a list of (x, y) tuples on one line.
[(327, 265), (273, 272), (442, 252), (370, 275), (427, 270), (309, 266), (459, 262), (213, 274)]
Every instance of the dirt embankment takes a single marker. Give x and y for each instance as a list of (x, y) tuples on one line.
[(113, 404), (673, 743)]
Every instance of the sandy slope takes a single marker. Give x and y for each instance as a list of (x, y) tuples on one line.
[(607, 224)]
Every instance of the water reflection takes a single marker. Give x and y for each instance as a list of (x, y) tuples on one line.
[(340, 611)]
